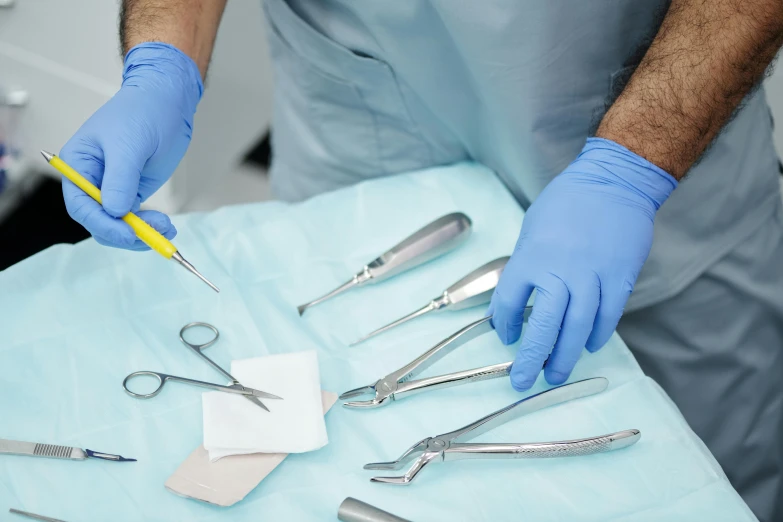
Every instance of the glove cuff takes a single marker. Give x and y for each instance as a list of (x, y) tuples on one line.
[(178, 69), (629, 168)]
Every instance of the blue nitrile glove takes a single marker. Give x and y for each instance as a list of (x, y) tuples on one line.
[(130, 147), (583, 242)]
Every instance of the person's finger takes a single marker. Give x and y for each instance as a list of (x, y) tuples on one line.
[(159, 221), (136, 246), (85, 210), (542, 330), (509, 301), (610, 309), (120, 185), (577, 325)]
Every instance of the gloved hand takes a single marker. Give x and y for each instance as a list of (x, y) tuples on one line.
[(583, 242), (130, 146)]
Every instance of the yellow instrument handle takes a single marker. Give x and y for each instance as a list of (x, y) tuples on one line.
[(145, 232)]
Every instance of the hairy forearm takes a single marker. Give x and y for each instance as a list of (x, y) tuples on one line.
[(188, 25), (707, 55)]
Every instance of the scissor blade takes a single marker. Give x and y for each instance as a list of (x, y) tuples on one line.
[(264, 395), (255, 400)]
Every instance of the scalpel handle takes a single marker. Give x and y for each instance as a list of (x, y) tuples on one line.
[(33, 449)]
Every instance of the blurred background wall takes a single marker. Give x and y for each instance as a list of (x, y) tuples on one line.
[(58, 64)]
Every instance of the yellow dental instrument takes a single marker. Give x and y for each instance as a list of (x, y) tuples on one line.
[(145, 232)]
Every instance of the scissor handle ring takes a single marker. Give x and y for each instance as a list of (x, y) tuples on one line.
[(160, 377), (198, 347)]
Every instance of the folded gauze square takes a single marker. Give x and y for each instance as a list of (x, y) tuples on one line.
[(235, 426)]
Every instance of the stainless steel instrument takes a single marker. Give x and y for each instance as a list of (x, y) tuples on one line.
[(33, 516), (453, 445), (397, 384), (352, 510), (441, 236), (34, 449), (236, 387), (474, 289)]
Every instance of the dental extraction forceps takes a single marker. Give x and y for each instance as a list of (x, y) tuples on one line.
[(235, 386), (397, 384), (452, 445)]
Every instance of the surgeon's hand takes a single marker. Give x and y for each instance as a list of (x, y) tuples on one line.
[(130, 146), (583, 242)]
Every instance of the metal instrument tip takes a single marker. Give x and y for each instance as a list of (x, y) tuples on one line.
[(33, 516), (257, 402), (432, 305), (181, 260), (360, 340), (396, 481), (107, 456), (47, 155), (357, 280)]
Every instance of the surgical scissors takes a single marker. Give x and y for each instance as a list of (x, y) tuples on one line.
[(398, 384), (452, 445), (252, 395)]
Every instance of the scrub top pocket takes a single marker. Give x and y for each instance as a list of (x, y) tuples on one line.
[(339, 116)]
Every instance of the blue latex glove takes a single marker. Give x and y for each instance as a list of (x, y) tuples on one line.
[(130, 147), (583, 242)]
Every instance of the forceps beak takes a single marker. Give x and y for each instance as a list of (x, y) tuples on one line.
[(356, 392), (411, 453), (414, 470), (378, 400), (365, 404)]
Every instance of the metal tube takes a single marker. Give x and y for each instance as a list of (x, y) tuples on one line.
[(352, 510)]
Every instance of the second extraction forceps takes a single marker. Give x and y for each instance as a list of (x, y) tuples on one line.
[(250, 394), (398, 384), (453, 445)]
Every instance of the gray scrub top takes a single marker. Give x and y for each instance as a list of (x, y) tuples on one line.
[(371, 88)]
